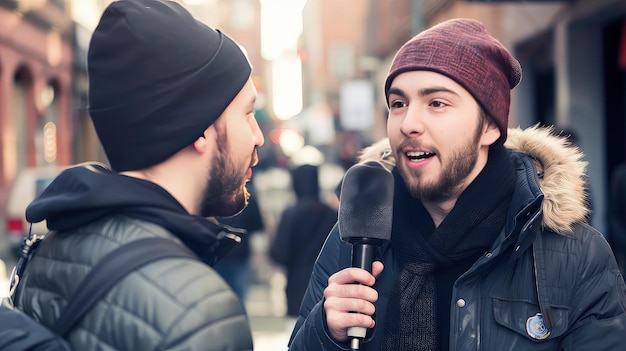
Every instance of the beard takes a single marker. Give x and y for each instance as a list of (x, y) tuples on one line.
[(453, 172), (225, 194)]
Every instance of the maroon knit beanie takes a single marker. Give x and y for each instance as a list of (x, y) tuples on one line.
[(463, 50)]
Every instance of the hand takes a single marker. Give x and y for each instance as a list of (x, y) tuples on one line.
[(349, 291)]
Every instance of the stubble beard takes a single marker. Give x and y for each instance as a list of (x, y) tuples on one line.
[(225, 192), (453, 172)]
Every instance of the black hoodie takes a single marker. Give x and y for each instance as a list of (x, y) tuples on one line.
[(82, 194)]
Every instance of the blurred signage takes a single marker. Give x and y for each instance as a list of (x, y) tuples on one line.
[(356, 105)]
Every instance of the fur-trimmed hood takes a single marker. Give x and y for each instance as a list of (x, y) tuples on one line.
[(559, 165)]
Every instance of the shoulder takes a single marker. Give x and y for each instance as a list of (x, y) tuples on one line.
[(559, 169), (582, 252), (189, 298), (582, 239)]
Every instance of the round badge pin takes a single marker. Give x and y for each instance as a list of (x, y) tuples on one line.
[(536, 328)]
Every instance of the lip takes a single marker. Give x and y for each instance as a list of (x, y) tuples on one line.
[(414, 149), (416, 164)]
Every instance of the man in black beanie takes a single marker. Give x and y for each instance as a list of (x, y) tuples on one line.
[(172, 102)]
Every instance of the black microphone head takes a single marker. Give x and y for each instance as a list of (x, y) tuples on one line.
[(366, 202)]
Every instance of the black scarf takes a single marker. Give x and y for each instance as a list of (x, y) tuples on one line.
[(469, 229)]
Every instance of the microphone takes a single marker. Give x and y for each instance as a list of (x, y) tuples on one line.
[(365, 217)]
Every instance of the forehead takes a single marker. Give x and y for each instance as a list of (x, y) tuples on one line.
[(247, 94), (416, 81)]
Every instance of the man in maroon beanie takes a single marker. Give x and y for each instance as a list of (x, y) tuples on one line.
[(172, 102), (489, 248)]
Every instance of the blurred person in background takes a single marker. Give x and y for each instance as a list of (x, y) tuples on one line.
[(300, 234), (489, 248), (348, 148), (235, 266), (617, 215), (172, 102)]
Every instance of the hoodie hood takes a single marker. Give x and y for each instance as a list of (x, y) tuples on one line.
[(87, 192), (559, 165), (305, 182)]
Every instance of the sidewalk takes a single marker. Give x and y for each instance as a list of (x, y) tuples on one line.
[(265, 306), (270, 333)]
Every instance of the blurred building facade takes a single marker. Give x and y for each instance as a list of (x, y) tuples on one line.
[(35, 86)]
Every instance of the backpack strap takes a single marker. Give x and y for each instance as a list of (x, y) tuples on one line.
[(111, 269)]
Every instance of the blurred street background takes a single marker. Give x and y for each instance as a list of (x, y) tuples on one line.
[(319, 68)]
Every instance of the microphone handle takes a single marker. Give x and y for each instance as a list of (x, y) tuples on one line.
[(363, 251)]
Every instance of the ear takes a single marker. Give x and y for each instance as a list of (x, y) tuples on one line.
[(202, 143), (491, 133)]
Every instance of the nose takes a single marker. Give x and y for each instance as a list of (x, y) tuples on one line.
[(259, 139), (412, 123)]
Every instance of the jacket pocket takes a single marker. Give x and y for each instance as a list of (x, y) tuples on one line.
[(524, 318)]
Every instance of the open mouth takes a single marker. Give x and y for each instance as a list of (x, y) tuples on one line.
[(418, 156)]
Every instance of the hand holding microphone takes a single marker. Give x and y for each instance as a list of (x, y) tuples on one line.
[(365, 218)]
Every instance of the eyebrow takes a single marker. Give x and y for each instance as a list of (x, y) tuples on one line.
[(424, 91)]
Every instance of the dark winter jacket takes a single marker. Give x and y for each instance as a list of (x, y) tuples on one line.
[(546, 260), (170, 304)]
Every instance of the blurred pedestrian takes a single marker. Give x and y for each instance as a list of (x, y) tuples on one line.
[(489, 249), (348, 147), (300, 234), (235, 266), (172, 102), (617, 215)]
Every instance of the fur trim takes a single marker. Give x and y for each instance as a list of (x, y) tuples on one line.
[(559, 166)]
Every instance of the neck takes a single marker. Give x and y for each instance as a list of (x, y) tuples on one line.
[(439, 210), (170, 176)]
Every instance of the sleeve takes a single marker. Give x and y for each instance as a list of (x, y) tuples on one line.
[(599, 308), (310, 332)]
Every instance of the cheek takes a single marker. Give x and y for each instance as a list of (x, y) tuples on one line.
[(393, 127)]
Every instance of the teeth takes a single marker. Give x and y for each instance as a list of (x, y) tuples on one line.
[(414, 155)]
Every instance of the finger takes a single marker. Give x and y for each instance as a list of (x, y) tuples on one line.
[(339, 321), (349, 305), (352, 275), (351, 291), (377, 268)]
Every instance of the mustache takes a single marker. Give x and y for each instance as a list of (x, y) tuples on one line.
[(414, 144)]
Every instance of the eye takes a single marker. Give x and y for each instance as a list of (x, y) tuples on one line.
[(438, 104), (397, 104)]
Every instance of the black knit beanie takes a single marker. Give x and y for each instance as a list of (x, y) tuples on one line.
[(157, 79)]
